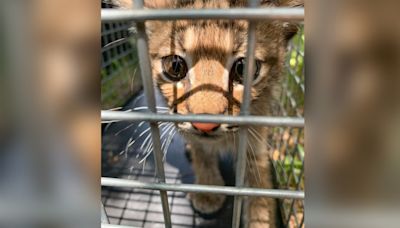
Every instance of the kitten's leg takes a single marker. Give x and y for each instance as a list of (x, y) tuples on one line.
[(205, 167), (259, 212)]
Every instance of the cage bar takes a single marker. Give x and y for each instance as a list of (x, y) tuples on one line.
[(242, 191), (241, 155), (287, 14), (239, 120), (144, 62)]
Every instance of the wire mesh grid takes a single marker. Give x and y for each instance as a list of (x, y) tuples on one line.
[(118, 59), (141, 208), (287, 145)]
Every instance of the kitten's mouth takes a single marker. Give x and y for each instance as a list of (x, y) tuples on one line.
[(192, 132), (206, 136)]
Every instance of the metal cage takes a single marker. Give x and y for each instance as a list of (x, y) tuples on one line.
[(287, 135)]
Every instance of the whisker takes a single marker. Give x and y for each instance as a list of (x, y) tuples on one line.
[(255, 134), (144, 158), (149, 147), (127, 147), (162, 125), (144, 132), (133, 76), (130, 144), (114, 109), (145, 140), (115, 42), (109, 121), (171, 136), (143, 166), (163, 144), (107, 126), (146, 108), (146, 148), (256, 167), (120, 131), (138, 97), (251, 170), (140, 124), (167, 129), (234, 142), (259, 137)]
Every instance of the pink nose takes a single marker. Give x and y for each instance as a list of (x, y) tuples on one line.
[(206, 127)]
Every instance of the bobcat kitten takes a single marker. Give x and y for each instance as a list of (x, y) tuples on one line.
[(198, 66)]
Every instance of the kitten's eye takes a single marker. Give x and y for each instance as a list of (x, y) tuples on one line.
[(174, 67), (237, 70)]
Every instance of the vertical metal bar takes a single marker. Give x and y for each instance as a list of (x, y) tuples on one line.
[(245, 110), (144, 62)]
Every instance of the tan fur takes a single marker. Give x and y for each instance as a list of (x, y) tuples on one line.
[(207, 165), (209, 48)]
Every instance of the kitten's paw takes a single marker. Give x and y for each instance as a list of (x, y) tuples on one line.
[(207, 206)]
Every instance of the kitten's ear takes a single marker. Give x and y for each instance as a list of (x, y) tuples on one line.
[(122, 4), (160, 4), (284, 3), (291, 3), (153, 4), (290, 29)]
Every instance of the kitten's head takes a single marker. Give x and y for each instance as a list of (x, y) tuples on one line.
[(199, 65)]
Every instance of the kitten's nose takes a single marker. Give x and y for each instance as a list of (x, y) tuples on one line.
[(206, 127)]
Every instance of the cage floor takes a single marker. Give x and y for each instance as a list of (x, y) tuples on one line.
[(142, 208)]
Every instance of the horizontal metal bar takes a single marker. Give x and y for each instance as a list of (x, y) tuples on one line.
[(238, 191), (239, 120), (287, 14)]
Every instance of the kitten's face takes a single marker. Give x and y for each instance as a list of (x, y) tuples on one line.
[(199, 66)]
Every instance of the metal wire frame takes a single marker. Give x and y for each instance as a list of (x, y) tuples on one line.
[(144, 61), (288, 142), (244, 111), (239, 120), (235, 191), (287, 14), (251, 14), (116, 57)]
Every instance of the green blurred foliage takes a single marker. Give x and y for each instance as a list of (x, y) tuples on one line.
[(119, 80)]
